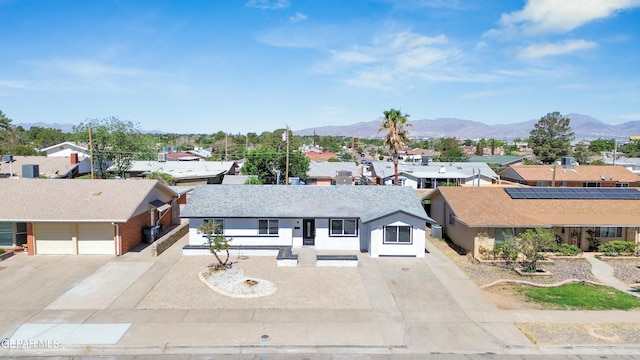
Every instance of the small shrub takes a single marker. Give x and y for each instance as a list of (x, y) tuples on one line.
[(567, 250), (1, 251), (618, 247), (507, 250)]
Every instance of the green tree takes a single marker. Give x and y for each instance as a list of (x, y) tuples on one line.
[(551, 137), (41, 137), (262, 163), (581, 153), (253, 180), (601, 145), (632, 148), (217, 242), (394, 124), (115, 143), (532, 243)]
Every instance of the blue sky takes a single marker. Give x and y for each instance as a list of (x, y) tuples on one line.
[(258, 65)]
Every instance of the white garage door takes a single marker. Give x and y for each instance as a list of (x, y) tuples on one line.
[(54, 238), (96, 239)]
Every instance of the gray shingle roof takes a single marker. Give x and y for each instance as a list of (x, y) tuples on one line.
[(280, 201), (325, 169), (73, 200)]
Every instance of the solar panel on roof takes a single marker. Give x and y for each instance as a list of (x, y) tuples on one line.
[(574, 193)]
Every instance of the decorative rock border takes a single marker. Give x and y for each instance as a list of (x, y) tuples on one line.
[(232, 283), (529, 283)]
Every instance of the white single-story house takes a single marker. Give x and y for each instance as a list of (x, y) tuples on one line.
[(433, 174), (187, 173), (380, 220)]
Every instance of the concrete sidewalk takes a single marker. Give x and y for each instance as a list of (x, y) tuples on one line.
[(417, 307)]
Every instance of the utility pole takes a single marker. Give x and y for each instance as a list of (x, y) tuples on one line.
[(286, 176), (91, 150), (353, 148), (615, 147), (226, 145)]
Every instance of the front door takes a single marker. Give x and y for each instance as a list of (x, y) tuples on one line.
[(308, 232)]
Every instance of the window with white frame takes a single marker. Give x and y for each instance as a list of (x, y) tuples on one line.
[(397, 235), (268, 227), (504, 234), (609, 232), (344, 227), (625, 185), (218, 226)]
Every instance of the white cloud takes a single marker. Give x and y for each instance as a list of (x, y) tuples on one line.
[(559, 16), (476, 95), (268, 4), (635, 116), (298, 17), (536, 51)]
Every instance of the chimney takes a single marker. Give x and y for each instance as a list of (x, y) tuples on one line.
[(74, 158)]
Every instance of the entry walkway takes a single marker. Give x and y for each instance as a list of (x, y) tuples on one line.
[(604, 273)]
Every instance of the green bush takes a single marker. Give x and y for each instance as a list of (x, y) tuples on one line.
[(505, 251), (618, 247), (566, 250), (1, 251)]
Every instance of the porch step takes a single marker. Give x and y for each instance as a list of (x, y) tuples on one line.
[(307, 256)]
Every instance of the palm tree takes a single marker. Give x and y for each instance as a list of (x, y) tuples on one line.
[(394, 122)]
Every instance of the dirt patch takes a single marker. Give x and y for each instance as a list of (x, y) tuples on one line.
[(507, 297)]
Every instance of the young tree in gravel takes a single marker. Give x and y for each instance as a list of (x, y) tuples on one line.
[(217, 242), (532, 243), (394, 123), (551, 137)]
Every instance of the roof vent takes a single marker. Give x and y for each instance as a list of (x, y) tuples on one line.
[(442, 169)]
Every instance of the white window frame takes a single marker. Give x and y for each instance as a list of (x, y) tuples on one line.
[(397, 242), (215, 221), (342, 227), (269, 228)]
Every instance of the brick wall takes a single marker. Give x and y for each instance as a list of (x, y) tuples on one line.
[(131, 231), (30, 243)]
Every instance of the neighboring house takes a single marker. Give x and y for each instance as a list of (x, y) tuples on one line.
[(65, 149), (75, 153), (383, 221), (421, 155), (332, 173), (571, 175), (498, 160), (200, 152), (56, 167), (320, 156), (482, 216), (184, 172), (433, 174), (179, 156), (81, 217), (632, 164)]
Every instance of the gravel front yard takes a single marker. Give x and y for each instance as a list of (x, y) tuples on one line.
[(486, 273), (297, 287), (627, 270)]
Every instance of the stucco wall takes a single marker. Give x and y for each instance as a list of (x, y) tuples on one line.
[(379, 248)]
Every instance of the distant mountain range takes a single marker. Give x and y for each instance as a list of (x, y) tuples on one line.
[(584, 127)]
